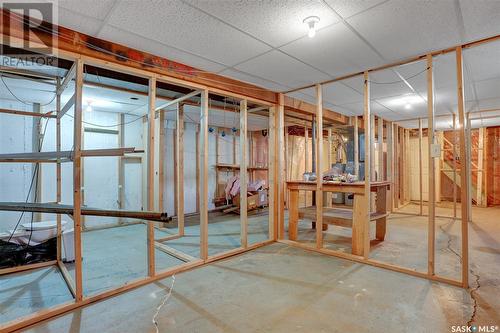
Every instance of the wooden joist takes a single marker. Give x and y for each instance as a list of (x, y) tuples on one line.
[(27, 113), (68, 210)]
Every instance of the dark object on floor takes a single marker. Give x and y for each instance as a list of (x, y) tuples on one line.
[(12, 255)]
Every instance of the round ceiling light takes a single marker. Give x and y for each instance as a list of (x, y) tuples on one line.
[(311, 22)]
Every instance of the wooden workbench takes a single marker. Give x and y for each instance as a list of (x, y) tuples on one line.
[(357, 218)]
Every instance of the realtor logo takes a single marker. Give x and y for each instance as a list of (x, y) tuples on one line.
[(28, 28)]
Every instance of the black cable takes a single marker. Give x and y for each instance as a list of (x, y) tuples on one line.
[(105, 126), (34, 176), (20, 100)]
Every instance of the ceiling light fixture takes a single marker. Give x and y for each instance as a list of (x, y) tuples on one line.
[(311, 23), (407, 106)]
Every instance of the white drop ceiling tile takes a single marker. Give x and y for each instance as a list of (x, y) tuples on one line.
[(400, 29), (339, 94), (306, 95), (493, 103), (348, 110), (274, 22), (245, 77), (335, 50), (348, 8), (485, 122), (338, 109), (356, 83), (90, 8), (480, 18), (445, 72), (177, 24), (483, 61), (488, 89), (77, 22), (278, 67), (415, 74), (138, 42), (385, 84)]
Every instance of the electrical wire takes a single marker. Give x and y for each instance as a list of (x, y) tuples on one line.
[(34, 176), (107, 126), (121, 56), (20, 100)]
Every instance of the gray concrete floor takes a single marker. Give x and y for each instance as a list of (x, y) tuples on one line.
[(281, 289), (114, 256)]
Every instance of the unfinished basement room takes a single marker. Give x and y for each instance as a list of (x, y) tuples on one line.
[(250, 166)]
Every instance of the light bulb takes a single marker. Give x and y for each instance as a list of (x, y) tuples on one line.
[(408, 106), (312, 32), (311, 24)]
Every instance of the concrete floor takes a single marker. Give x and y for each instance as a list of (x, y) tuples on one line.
[(281, 288), (114, 256)]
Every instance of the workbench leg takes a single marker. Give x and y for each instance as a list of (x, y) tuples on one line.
[(293, 214), (381, 208), (360, 226)]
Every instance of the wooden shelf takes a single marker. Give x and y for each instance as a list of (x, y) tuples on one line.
[(237, 167), (338, 216)]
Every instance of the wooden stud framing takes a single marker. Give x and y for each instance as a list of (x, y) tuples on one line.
[(395, 138), (272, 172), (77, 194), (480, 162), (280, 120), (363, 205), (432, 183), (204, 175), (390, 166), (380, 140), (319, 165), (454, 166), (371, 140), (151, 174), (121, 162), (356, 147), (179, 157), (306, 149), (420, 165), (161, 163), (243, 173), (58, 171), (464, 160)]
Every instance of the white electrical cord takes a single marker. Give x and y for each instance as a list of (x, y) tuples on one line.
[(163, 303)]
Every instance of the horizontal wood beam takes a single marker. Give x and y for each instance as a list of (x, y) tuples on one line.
[(27, 113), (74, 42), (178, 100), (308, 109)]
